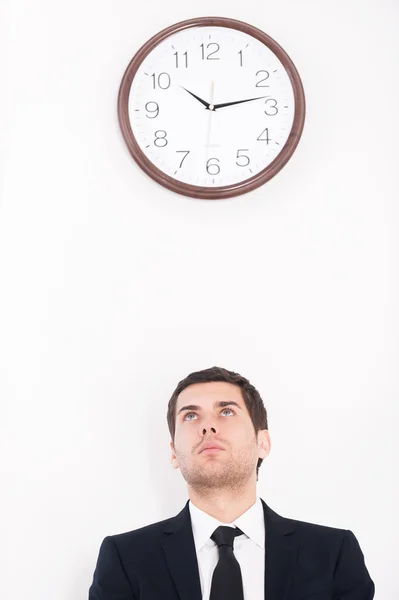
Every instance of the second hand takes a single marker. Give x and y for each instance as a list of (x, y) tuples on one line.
[(211, 110)]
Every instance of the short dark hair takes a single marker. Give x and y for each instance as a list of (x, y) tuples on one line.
[(252, 398)]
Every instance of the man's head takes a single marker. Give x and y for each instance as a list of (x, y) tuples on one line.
[(221, 407)]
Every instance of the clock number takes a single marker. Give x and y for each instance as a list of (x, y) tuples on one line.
[(215, 167), (240, 53), (272, 108), (163, 81), (160, 140), (176, 54), (152, 111), (258, 84), (210, 55), (266, 138), (186, 153), (244, 157)]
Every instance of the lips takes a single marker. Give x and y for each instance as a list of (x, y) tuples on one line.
[(209, 446)]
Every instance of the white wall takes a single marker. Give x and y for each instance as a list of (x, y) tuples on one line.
[(113, 288)]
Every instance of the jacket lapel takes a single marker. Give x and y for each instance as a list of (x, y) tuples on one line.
[(281, 549), (180, 555), (280, 555)]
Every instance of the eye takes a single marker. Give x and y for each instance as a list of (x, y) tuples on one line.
[(187, 415), (193, 413), (228, 409)]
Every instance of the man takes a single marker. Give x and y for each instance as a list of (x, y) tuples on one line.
[(227, 543)]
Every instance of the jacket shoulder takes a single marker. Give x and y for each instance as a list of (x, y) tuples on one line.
[(309, 533), (307, 528), (324, 540), (317, 529), (147, 533)]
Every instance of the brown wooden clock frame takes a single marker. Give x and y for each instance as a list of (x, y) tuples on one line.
[(221, 192)]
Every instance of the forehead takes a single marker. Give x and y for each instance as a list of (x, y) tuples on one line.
[(206, 394)]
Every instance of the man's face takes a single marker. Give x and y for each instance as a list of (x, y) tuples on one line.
[(215, 412)]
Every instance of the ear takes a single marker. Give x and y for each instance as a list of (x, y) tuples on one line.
[(264, 443), (173, 459)]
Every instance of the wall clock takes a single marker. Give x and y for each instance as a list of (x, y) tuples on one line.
[(211, 107)]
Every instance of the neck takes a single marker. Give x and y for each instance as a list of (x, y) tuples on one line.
[(224, 505)]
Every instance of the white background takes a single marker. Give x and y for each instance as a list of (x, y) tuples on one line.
[(113, 288)]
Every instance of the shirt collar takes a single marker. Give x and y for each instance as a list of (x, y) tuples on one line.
[(251, 522)]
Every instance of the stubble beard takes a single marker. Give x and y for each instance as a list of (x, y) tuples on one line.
[(210, 473)]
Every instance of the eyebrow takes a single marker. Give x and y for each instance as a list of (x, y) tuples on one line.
[(221, 404)]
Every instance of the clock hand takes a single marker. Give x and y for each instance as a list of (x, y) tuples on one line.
[(210, 117), (216, 106), (206, 104)]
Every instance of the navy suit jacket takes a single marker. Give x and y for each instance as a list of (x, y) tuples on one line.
[(302, 560)]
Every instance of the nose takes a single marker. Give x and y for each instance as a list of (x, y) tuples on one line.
[(206, 429)]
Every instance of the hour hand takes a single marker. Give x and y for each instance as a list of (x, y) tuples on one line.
[(216, 106), (206, 104)]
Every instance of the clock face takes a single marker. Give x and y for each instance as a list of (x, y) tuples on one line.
[(211, 108)]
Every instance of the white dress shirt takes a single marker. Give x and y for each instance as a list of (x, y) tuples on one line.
[(249, 549)]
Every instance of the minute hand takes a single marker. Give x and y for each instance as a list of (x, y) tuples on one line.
[(206, 104), (216, 106)]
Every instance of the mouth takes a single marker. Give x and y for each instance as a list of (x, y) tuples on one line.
[(211, 449)]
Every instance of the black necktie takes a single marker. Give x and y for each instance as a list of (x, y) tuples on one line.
[(226, 579)]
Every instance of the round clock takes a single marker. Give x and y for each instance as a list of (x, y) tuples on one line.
[(211, 107)]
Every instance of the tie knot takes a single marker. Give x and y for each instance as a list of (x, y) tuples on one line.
[(224, 535)]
